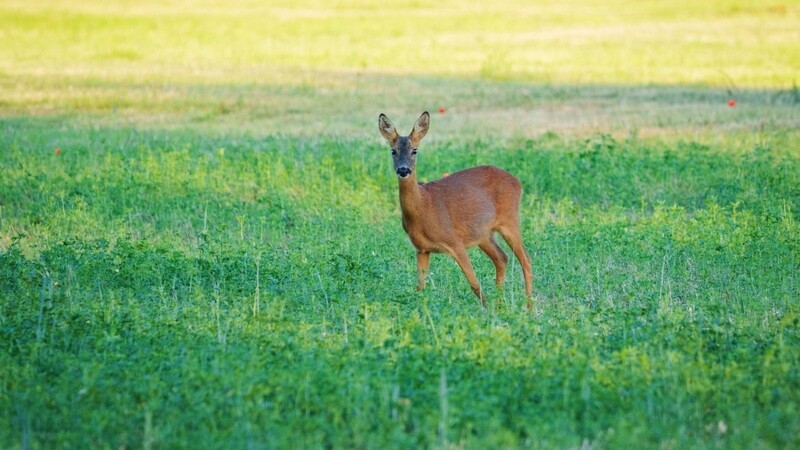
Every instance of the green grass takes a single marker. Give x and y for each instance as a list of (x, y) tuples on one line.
[(309, 67), (169, 289), (580, 42), (213, 257)]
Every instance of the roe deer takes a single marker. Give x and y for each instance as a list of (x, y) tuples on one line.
[(457, 212)]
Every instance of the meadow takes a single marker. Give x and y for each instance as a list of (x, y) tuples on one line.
[(200, 238)]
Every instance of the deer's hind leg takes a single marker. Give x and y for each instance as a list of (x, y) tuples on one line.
[(498, 257), (513, 238), (459, 253)]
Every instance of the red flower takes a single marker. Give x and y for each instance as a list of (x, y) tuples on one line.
[(731, 103), (441, 110), (58, 151)]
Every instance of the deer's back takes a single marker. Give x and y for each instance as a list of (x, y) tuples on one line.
[(482, 183), (471, 203)]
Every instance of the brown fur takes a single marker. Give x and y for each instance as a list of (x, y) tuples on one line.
[(457, 212)]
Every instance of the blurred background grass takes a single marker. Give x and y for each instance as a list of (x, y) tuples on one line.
[(310, 67)]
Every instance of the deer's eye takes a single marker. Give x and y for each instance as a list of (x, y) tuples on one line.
[(394, 152), (414, 151)]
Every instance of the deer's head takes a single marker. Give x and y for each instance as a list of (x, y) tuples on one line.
[(404, 148)]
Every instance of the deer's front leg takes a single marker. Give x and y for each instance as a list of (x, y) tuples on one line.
[(423, 261)]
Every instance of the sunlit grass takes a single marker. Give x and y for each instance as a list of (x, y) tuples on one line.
[(578, 42), (200, 241), (502, 69)]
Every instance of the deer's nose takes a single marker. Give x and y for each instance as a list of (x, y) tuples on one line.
[(403, 172)]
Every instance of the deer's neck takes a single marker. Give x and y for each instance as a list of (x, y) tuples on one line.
[(411, 201)]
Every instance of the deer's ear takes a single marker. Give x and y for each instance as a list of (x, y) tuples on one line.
[(420, 129), (387, 129)]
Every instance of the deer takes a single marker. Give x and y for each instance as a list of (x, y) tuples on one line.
[(457, 212)]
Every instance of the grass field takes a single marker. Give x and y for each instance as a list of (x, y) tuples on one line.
[(200, 239)]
